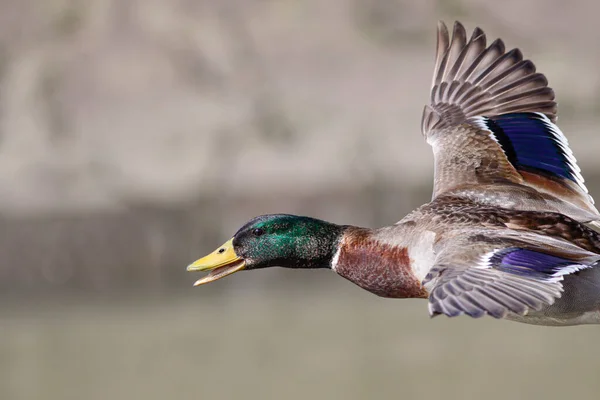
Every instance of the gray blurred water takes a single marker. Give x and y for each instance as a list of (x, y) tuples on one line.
[(320, 339)]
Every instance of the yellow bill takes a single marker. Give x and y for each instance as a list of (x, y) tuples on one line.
[(221, 262)]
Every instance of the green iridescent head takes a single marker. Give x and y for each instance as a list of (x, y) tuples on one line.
[(280, 240)]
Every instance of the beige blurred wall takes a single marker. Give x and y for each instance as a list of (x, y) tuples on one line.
[(109, 102), (136, 135)]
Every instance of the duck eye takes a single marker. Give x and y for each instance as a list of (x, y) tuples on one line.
[(258, 232)]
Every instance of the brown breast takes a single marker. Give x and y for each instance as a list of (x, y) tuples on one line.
[(379, 268)]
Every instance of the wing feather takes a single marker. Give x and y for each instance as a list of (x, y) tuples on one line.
[(478, 276), (473, 82)]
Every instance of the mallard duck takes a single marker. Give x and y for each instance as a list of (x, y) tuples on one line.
[(508, 232)]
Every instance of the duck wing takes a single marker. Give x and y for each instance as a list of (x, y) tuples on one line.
[(498, 272), (491, 124)]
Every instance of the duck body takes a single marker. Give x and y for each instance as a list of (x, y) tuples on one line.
[(509, 231), (403, 261)]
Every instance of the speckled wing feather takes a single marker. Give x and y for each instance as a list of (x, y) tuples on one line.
[(496, 273), (491, 121)]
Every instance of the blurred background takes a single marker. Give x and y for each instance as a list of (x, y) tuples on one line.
[(136, 136)]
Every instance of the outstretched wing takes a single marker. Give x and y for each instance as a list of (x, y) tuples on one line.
[(485, 275), (491, 121)]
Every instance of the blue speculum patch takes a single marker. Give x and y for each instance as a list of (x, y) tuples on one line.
[(531, 142), (529, 263)]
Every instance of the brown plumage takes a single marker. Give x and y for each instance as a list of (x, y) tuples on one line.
[(380, 268)]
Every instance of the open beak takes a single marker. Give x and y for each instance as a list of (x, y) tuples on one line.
[(221, 262)]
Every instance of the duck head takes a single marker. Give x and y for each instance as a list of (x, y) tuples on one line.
[(280, 240)]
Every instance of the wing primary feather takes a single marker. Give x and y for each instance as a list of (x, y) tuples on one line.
[(473, 77), (443, 42), (487, 57), (474, 49), (457, 51)]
